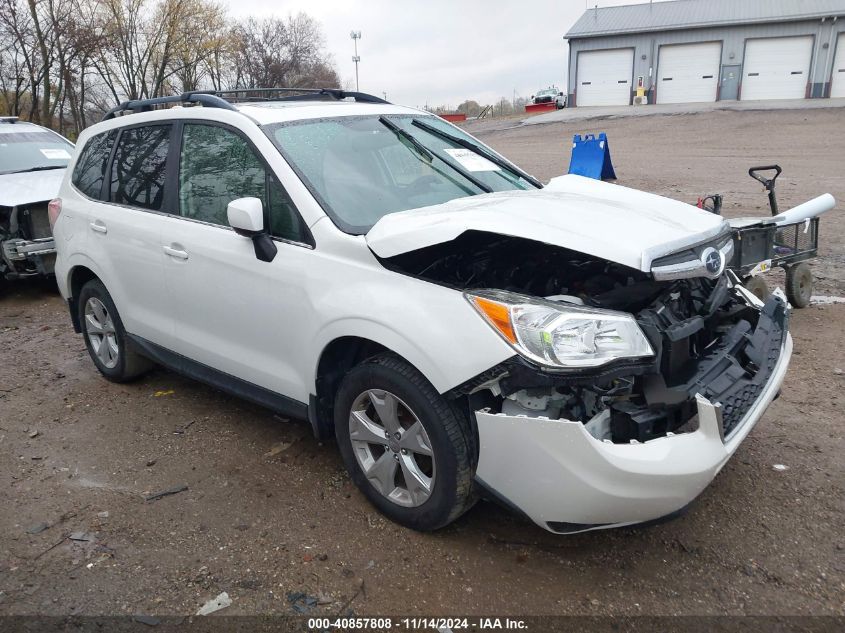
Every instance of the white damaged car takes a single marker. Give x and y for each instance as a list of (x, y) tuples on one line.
[(576, 351), (32, 164)]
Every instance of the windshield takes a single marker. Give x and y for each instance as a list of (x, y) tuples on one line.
[(32, 150), (363, 168), (546, 92)]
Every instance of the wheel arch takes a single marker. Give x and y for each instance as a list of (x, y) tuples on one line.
[(337, 357), (78, 276)]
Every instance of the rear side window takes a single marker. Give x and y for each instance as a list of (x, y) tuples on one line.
[(139, 165), (90, 169)]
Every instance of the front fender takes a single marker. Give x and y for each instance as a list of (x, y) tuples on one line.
[(433, 328)]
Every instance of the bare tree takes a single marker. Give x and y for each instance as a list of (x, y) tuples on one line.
[(61, 61), (282, 52)]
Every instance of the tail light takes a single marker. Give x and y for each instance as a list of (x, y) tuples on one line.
[(54, 209)]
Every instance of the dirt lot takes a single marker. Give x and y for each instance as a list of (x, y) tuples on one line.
[(269, 512)]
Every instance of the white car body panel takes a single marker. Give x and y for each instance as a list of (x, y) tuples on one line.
[(307, 299), (31, 186), (589, 216), (126, 244)]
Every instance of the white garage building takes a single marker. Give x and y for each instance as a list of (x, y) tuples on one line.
[(687, 51)]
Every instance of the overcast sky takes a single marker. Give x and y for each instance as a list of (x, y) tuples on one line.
[(441, 52)]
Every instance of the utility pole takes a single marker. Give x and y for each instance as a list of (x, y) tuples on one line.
[(356, 35)]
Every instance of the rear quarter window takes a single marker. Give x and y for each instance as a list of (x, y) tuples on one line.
[(90, 169)]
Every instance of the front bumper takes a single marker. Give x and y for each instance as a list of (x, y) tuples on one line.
[(567, 481)]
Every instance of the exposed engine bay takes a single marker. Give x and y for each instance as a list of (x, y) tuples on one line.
[(26, 242), (708, 337)]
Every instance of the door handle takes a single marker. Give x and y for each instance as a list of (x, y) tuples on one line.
[(98, 227), (175, 252)]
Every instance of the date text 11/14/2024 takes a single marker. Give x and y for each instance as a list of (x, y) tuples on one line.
[(442, 625)]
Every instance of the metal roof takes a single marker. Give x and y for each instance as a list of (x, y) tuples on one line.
[(689, 14)]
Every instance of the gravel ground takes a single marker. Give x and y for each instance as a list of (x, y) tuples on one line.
[(269, 514)]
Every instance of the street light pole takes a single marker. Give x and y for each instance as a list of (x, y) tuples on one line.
[(356, 35)]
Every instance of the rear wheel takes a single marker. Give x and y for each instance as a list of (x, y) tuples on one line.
[(105, 337), (799, 285), (758, 287), (405, 446)]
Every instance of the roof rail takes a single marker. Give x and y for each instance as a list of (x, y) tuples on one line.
[(146, 105), (291, 94), (223, 98), (8, 119)]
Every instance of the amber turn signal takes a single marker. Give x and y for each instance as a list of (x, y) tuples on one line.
[(498, 315)]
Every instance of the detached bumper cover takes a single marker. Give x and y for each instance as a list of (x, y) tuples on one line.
[(566, 480)]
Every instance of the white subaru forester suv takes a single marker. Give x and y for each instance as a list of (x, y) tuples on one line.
[(577, 351)]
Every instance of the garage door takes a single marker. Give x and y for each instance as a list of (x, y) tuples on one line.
[(776, 68), (687, 73), (837, 88), (604, 77)]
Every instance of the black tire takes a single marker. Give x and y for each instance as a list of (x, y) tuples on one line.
[(799, 285), (758, 287), (129, 364), (447, 429)]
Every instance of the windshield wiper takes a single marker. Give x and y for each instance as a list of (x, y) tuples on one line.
[(457, 140), (422, 149), (40, 168)]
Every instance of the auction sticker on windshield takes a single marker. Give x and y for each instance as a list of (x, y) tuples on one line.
[(472, 161), (55, 154)]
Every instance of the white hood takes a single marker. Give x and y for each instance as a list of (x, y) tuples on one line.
[(30, 186), (596, 218)]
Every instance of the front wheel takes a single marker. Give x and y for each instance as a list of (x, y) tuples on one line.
[(405, 446)]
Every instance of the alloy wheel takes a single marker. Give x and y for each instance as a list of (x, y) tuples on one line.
[(101, 335), (392, 447)]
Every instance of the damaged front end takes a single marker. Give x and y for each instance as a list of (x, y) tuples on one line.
[(710, 349), (707, 338), (26, 241)]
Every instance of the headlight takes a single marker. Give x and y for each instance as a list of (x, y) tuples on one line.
[(558, 334)]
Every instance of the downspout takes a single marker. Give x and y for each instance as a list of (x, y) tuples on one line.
[(652, 74), (830, 56), (817, 46)]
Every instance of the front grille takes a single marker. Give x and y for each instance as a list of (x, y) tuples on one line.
[(692, 262), (737, 402), (732, 370)]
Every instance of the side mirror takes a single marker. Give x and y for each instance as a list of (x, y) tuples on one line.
[(560, 94), (532, 96), (246, 217)]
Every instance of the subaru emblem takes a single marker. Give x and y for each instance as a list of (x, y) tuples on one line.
[(713, 261)]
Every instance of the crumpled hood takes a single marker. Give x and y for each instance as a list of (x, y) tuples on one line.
[(622, 225), (30, 186)]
